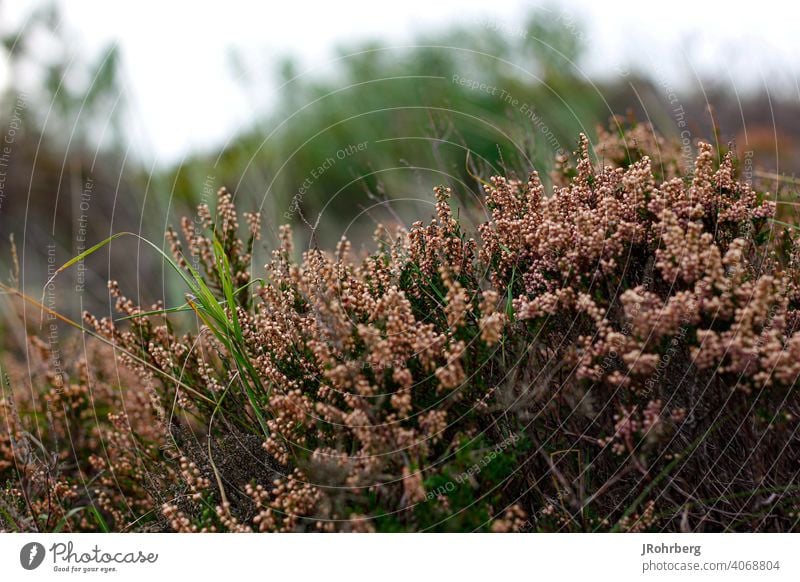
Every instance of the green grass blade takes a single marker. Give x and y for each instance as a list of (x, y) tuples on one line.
[(105, 242), (99, 518)]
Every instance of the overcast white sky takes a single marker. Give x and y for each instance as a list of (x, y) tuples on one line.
[(176, 53)]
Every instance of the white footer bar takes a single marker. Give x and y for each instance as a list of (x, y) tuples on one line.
[(401, 557)]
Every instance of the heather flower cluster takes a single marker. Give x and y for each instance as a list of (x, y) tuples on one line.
[(80, 450), (624, 350)]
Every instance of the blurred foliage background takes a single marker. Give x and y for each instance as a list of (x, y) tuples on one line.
[(339, 150)]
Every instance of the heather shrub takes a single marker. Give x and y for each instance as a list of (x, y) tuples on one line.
[(621, 353), (80, 448)]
